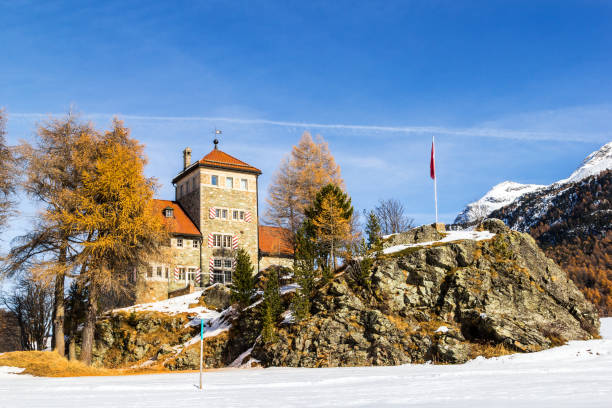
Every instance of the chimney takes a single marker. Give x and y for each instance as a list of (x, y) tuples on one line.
[(186, 157)]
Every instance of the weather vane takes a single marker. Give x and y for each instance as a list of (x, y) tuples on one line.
[(217, 132)]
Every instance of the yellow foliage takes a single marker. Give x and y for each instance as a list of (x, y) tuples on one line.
[(298, 179)]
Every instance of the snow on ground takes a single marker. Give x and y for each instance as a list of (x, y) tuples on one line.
[(450, 237), (215, 322), (175, 305), (575, 375)]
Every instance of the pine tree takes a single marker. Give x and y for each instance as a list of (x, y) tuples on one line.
[(373, 232), (243, 284), (330, 216), (272, 306), (309, 167), (75, 314), (305, 275)]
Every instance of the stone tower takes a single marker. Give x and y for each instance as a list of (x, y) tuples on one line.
[(219, 194)]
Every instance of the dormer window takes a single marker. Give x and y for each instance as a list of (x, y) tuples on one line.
[(169, 212)]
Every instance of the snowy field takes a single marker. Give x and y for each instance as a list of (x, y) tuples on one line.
[(576, 375)]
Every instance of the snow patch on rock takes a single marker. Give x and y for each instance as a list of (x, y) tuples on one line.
[(451, 236)]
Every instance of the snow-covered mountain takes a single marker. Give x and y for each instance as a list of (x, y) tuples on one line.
[(499, 196), (594, 163), (507, 192)]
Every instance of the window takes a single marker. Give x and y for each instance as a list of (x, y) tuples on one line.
[(221, 213), (241, 215), (195, 243), (217, 240), (168, 212), (214, 180), (223, 270), (227, 241), (238, 215), (244, 184), (191, 273), (179, 242), (159, 271), (149, 271), (182, 274), (235, 215), (229, 182)]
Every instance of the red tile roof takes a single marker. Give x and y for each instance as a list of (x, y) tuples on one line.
[(181, 223), (217, 158), (274, 241)]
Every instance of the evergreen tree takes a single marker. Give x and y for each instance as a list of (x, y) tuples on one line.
[(75, 314), (243, 284), (305, 275), (362, 264), (373, 232), (330, 216), (271, 307)]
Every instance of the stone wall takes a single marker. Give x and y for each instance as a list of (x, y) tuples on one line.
[(151, 290), (267, 261), (230, 199)]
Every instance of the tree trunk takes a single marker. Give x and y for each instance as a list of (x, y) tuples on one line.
[(90, 324), (58, 307), (333, 254), (72, 348)]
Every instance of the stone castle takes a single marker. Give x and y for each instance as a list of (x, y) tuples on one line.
[(214, 213)]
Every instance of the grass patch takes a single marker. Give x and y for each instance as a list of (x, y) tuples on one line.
[(489, 350), (51, 364)]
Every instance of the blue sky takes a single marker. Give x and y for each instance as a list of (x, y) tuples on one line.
[(512, 90)]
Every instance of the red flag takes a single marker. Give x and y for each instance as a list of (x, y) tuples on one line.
[(432, 164)]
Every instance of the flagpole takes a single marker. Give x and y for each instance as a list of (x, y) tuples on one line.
[(435, 180), (201, 347)]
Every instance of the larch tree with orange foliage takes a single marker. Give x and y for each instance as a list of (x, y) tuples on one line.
[(117, 228), (308, 168), (53, 169)]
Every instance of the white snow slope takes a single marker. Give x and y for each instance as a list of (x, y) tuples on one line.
[(499, 196), (506, 192), (578, 374)]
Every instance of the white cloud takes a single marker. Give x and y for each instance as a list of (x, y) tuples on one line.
[(579, 124)]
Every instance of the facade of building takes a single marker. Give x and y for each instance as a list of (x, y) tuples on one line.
[(214, 213)]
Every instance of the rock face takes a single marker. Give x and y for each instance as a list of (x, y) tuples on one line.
[(446, 302)]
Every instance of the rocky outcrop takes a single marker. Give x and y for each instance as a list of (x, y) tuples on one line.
[(217, 297), (429, 298), (444, 302)]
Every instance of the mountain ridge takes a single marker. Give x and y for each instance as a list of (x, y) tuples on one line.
[(505, 193)]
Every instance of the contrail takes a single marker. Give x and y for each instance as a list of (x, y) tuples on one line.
[(408, 130)]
